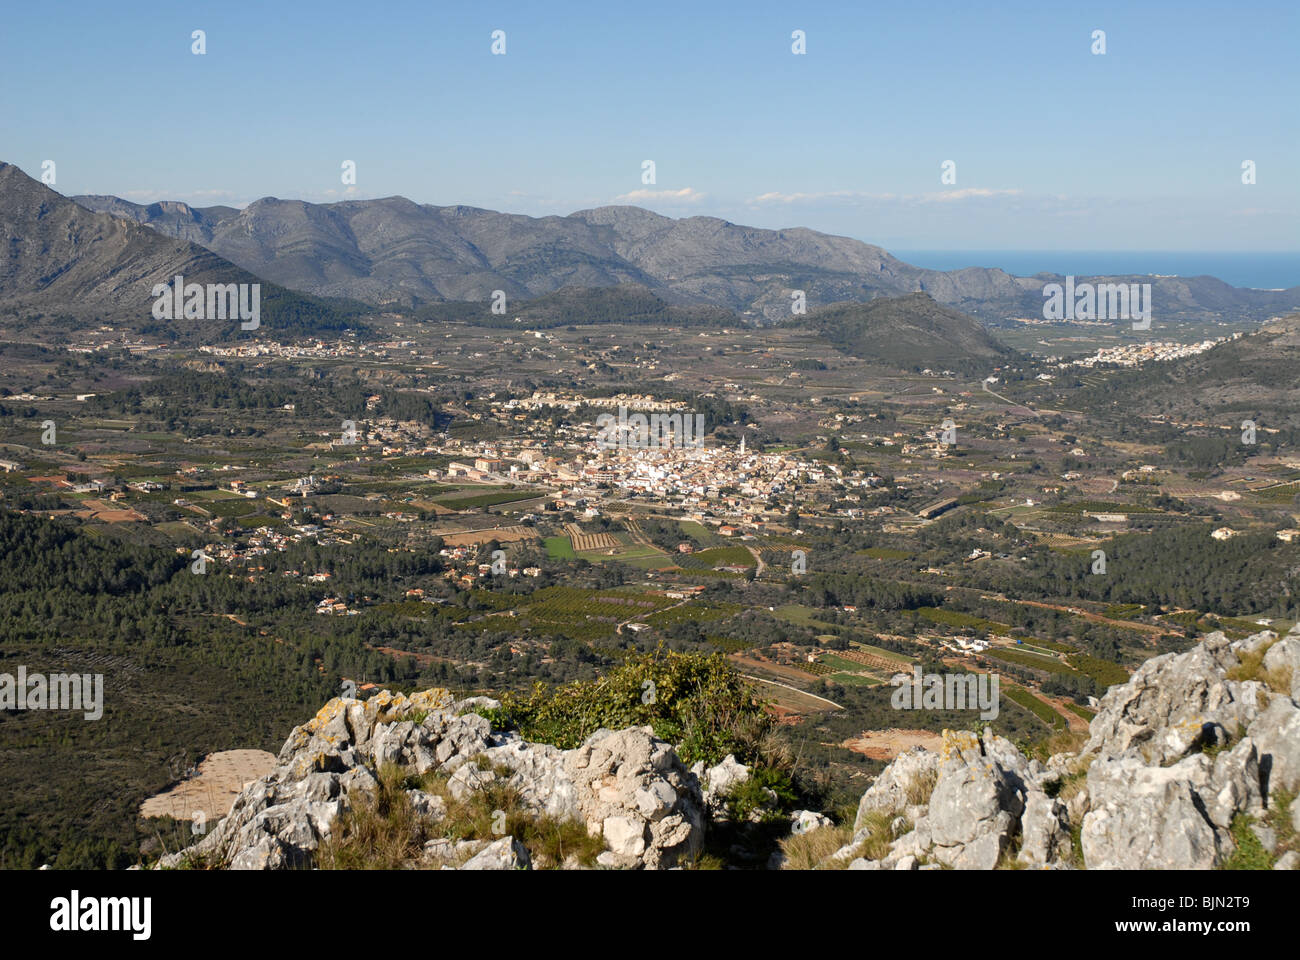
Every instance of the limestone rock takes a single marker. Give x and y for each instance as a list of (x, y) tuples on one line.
[(805, 821), (1044, 831), (1150, 818), (897, 783), (1276, 734), (629, 785), (1283, 658), (1174, 703), (626, 784), (504, 854)]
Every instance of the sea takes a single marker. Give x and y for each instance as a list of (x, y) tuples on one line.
[(1269, 270)]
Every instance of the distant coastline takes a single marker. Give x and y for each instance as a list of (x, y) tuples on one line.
[(1267, 270)]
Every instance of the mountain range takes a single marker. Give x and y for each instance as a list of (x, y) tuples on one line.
[(323, 266), (395, 252), (67, 266)]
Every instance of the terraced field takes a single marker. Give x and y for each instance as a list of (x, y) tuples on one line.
[(511, 534), (590, 541)]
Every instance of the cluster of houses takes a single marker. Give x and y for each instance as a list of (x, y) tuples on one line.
[(464, 569)]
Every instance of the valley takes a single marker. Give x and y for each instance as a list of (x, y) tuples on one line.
[(430, 502)]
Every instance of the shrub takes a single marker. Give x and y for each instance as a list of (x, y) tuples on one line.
[(752, 794), (695, 701)]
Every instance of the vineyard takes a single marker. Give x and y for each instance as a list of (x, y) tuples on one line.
[(716, 557), (590, 541), (872, 661), (488, 499), (1042, 711), (1030, 660), (589, 614)]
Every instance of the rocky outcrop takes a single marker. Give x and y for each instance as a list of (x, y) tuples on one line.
[(1190, 743), (984, 796), (910, 777), (1176, 757), (626, 786), (1176, 702), (633, 789)]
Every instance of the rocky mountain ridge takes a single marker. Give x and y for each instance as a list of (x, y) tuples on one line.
[(1192, 751), (393, 251), (68, 263)]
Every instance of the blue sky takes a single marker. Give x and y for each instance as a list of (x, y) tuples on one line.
[(1055, 147)]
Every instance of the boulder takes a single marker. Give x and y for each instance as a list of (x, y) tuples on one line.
[(504, 854), (1276, 734), (899, 781), (1044, 831), (632, 788), (717, 783), (1283, 658), (1151, 818), (976, 804), (1176, 702), (805, 821)]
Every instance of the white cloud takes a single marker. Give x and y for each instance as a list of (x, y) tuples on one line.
[(778, 197), (945, 196), (968, 193), (684, 195)]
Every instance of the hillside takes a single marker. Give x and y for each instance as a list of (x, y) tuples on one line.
[(69, 268), (912, 332), (1252, 376), (622, 303), (393, 251)]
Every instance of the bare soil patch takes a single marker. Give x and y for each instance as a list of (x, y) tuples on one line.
[(887, 744), (213, 789)]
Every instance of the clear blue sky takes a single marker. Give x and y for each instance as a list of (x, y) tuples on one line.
[(1054, 147)]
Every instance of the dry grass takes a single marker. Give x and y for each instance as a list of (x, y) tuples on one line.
[(879, 836), (806, 851), (384, 833), (1009, 860), (1251, 667), (1074, 781), (379, 831), (1061, 741), (919, 788)]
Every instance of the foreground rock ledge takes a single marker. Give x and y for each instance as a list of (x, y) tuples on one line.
[(627, 786), (1174, 755)]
